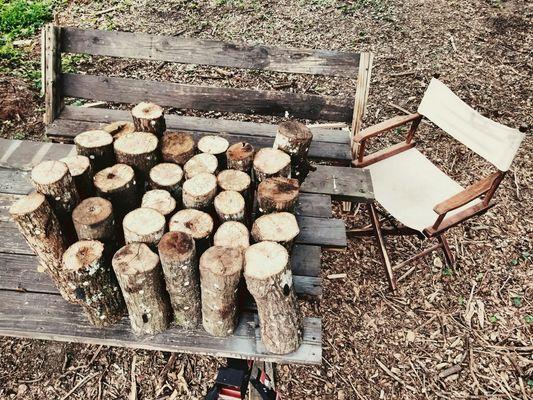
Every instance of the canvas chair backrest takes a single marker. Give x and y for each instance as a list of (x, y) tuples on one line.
[(496, 143)]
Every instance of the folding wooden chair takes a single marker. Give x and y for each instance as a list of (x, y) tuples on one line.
[(419, 195)]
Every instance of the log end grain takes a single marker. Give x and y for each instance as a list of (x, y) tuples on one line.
[(232, 179), (159, 200), (211, 144), (135, 143), (134, 258), (199, 164), (223, 261), (27, 204), (91, 213), (277, 194), (115, 178), (166, 175), (196, 223), (240, 151), (77, 165), (199, 191), (146, 110), (176, 246), (295, 130), (271, 162), (144, 225), (48, 173), (93, 139), (119, 128), (276, 227), (230, 206), (264, 259), (178, 147), (232, 234)]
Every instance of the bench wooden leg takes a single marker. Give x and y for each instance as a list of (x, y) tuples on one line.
[(448, 255)]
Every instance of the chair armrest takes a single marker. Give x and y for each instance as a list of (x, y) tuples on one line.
[(385, 126)]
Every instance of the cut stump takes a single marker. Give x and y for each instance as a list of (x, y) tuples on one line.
[(294, 138), (149, 117), (277, 194), (177, 147), (196, 223), (82, 174), (240, 156), (138, 150), (93, 220), (118, 129), (230, 206), (200, 191), (169, 177), (97, 145), (271, 162), (232, 234), (200, 164), (144, 225), (280, 227), (215, 145), (159, 200)]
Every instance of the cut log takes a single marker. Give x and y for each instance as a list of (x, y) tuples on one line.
[(144, 225), (40, 227), (97, 145), (119, 128), (277, 194), (220, 273), (149, 117), (230, 206), (88, 272), (180, 267), (167, 176), (280, 227), (240, 156), (93, 219), (271, 162), (140, 277), (199, 191), (138, 150), (238, 181), (215, 145), (294, 138), (178, 147), (118, 185), (160, 200), (196, 223), (200, 164), (82, 174), (269, 280), (53, 179), (232, 234)]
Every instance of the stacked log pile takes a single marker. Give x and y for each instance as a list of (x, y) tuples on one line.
[(156, 224)]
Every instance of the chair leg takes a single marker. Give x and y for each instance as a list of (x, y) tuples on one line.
[(448, 256), (381, 244)]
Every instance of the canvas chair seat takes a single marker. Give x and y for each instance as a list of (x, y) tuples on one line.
[(408, 186)]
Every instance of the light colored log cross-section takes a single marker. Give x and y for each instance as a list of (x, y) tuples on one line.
[(196, 223), (180, 267), (167, 176), (91, 279), (119, 128), (199, 191), (82, 173), (178, 147), (93, 219), (238, 181), (230, 206), (97, 145), (160, 200), (144, 225), (278, 227), (271, 162), (294, 138), (269, 280), (220, 273), (199, 164), (149, 117), (215, 145), (232, 234), (141, 279), (138, 150), (240, 156), (277, 194)]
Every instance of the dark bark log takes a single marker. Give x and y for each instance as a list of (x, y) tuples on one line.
[(277, 194), (240, 156), (97, 145), (178, 147), (81, 171), (149, 117), (196, 223)]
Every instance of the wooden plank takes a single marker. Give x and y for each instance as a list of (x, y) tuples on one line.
[(207, 98), (313, 205), (25, 154), (341, 183), (14, 181), (52, 58), (327, 232), (361, 97), (23, 315), (208, 52), (305, 260), (6, 200)]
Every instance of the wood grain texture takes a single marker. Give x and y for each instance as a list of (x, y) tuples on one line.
[(208, 52), (327, 232)]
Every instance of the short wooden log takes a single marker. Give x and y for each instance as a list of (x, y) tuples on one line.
[(97, 145), (178, 147), (294, 138), (220, 273), (269, 280), (238, 181), (180, 267), (232, 234), (138, 150), (144, 225), (200, 164), (230, 206), (119, 128), (140, 277), (82, 174), (271, 162), (94, 220), (88, 272), (149, 117), (200, 191), (196, 223), (169, 177), (40, 227), (215, 145), (280, 227), (277, 194), (160, 200), (240, 156)]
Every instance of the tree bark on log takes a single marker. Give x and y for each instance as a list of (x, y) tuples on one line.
[(144, 225), (220, 273), (271, 162), (159, 200), (82, 174), (202, 163), (269, 279), (277, 194), (140, 277), (178, 147), (97, 145), (238, 181), (200, 191), (230, 206), (294, 138), (169, 177), (180, 267), (240, 156), (93, 220), (119, 128), (40, 227), (215, 145), (149, 117), (53, 179), (138, 150), (232, 234), (196, 223), (88, 272), (280, 227)]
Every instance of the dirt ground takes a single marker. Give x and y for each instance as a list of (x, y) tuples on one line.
[(452, 334)]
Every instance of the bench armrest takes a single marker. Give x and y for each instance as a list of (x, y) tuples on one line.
[(385, 126)]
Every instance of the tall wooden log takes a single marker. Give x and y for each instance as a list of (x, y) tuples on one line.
[(240, 156), (271, 162), (269, 279), (144, 225), (232, 234), (40, 227), (196, 223), (200, 164), (160, 200), (178, 147), (169, 177), (280, 227), (215, 145), (118, 185), (88, 272), (53, 179), (140, 277), (93, 219), (97, 145), (138, 150), (220, 273), (149, 117), (119, 128), (180, 267), (82, 174), (294, 138), (238, 181), (200, 191), (277, 194), (230, 206)]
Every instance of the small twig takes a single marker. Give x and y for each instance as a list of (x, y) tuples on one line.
[(405, 73), (80, 384), (107, 10), (95, 355), (393, 376), (336, 276), (133, 391)]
